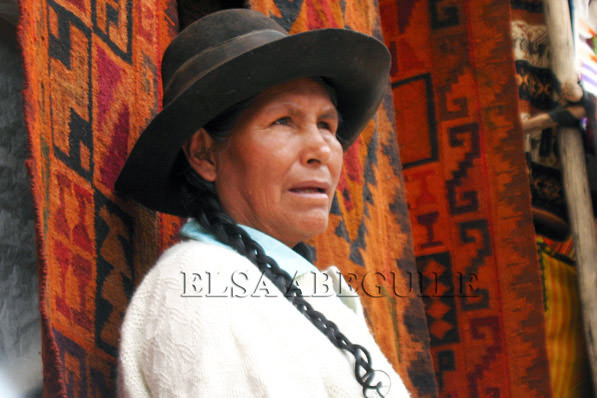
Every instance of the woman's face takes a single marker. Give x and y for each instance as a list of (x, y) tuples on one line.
[(279, 169)]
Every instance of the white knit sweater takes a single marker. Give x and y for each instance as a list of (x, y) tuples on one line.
[(253, 345)]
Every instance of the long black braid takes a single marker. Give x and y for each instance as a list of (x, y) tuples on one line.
[(201, 201)]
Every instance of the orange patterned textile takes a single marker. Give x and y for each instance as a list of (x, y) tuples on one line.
[(92, 75), (91, 87), (461, 146), (369, 233)]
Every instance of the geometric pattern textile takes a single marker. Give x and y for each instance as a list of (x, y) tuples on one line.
[(91, 87), (368, 237), (461, 145)]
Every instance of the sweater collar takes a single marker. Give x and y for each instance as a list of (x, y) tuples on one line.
[(289, 260)]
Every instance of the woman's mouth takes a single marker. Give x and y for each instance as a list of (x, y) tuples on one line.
[(307, 190), (311, 189)]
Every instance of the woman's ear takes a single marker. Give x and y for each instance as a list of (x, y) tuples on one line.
[(199, 152)]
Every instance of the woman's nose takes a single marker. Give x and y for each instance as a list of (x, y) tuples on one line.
[(317, 148)]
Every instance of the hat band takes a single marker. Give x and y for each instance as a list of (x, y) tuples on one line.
[(199, 65)]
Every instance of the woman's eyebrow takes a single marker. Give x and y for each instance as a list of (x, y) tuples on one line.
[(331, 113)]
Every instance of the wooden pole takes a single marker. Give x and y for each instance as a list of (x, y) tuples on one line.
[(574, 173)]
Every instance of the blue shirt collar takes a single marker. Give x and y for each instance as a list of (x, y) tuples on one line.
[(289, 260)]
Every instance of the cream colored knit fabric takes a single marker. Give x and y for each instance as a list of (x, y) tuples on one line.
[(253, 345)]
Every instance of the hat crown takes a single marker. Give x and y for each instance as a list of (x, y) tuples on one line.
[(211, 31)]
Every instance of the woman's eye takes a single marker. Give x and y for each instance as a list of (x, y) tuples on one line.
[(327, 126), (283, 121)]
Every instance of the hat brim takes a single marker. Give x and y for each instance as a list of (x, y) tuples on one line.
[(356, 65)]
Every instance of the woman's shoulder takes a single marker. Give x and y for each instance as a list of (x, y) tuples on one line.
[(190, 285), (191, 249), (179, 316), (193, 270), (194, 256)]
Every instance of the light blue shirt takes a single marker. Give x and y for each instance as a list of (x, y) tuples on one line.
[(289, 260)]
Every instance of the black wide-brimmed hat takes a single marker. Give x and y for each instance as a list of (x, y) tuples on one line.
[(232, 55)]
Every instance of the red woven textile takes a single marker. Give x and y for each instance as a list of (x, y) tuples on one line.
[(467, 187), (91, 87)]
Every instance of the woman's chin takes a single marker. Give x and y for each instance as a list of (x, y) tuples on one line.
[(307, 227)]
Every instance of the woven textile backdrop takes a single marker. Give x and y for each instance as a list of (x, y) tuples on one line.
[(91, 86), (461, 146), (369, 233)]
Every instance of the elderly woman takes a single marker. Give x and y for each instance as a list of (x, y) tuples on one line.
[(249, 145)]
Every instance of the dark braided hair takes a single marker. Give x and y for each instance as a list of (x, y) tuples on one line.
[(201, 201)]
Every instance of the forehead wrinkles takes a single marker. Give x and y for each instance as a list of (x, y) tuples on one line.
[(298, 106), (322, 108), (298, 96), (298, 92)]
